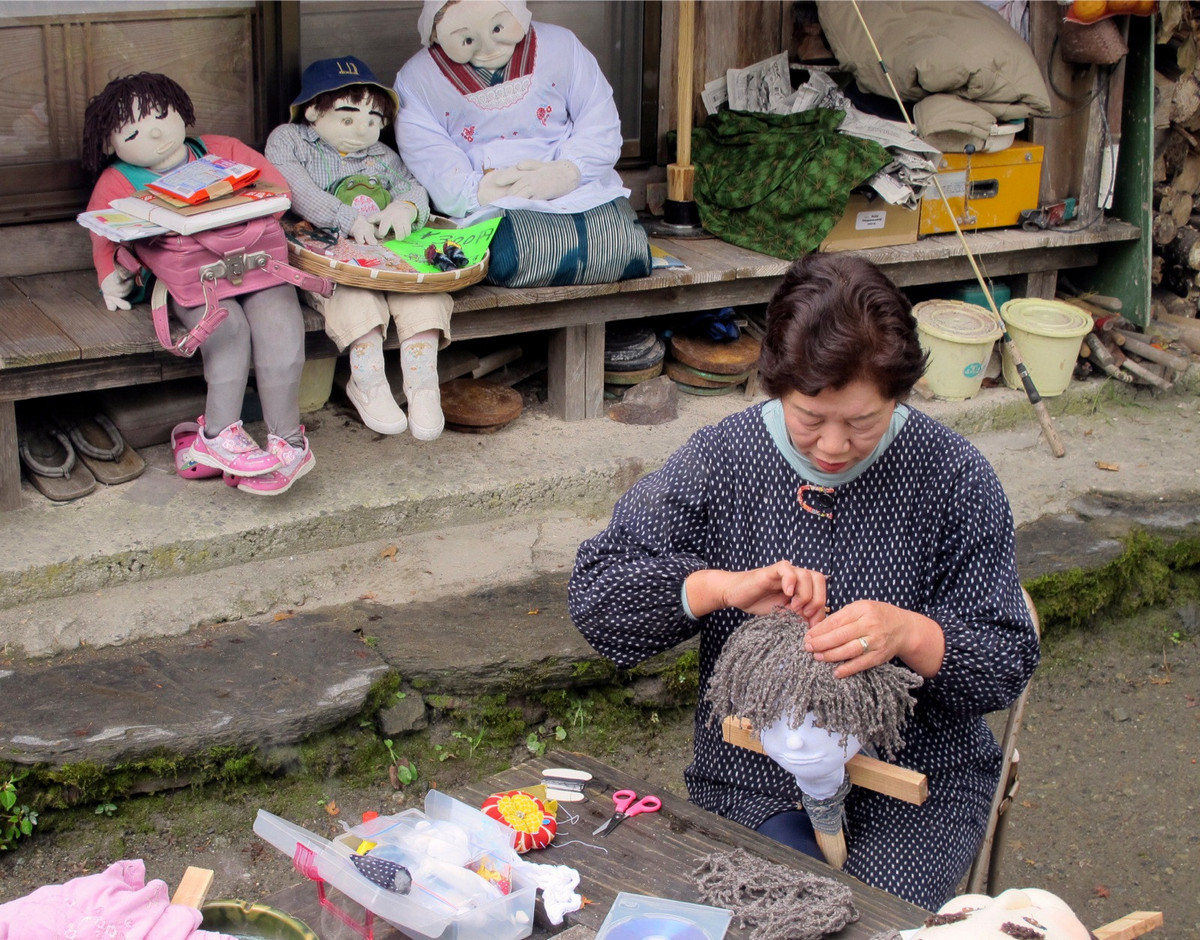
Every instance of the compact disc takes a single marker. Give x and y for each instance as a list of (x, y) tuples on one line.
[(654, 927)]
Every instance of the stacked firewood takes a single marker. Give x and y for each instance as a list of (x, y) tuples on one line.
[(1117, 349), (1175, 229), (1157, 354)]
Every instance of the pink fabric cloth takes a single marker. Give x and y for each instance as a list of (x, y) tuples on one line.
[(115, 904)]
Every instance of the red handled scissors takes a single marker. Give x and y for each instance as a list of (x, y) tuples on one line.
[(623, 801)]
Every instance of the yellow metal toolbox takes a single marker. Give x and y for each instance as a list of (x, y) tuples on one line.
[(996, 188)]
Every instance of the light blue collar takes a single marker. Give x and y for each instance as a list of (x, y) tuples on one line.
[(772, 413)]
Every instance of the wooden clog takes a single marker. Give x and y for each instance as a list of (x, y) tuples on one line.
[(722, 358), (689, 376), (478, 404)]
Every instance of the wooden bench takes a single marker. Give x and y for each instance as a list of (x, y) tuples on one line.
[(57, 337)]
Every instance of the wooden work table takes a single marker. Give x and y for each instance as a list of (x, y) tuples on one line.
[(650, 854)]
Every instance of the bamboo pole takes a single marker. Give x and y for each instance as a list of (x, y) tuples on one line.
[(1031, 392)]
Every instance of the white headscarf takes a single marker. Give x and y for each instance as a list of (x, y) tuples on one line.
[(431, 8)]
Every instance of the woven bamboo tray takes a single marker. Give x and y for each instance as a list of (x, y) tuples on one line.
[(380, 278)]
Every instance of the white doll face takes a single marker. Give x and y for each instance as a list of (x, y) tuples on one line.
[(481, 32), (983, 918), (349, 126), (155, 140), (811, 754)]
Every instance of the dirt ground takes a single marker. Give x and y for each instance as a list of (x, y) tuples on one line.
[(1105, 818)]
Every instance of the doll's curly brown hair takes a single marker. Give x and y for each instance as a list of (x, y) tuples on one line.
[(114, 107)]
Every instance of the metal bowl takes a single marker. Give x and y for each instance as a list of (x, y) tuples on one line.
[(247, 919)]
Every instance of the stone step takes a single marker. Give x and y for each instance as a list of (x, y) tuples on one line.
[(403, 520)]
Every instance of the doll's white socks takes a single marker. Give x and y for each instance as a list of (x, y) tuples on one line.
[(366, 360), (418, 360)]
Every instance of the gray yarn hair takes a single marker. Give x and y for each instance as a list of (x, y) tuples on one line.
[(764, 674), (774, 902)]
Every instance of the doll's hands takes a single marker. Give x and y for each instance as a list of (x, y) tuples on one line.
[(868, 633), (759, 591), (363, 232), (495, 184), (529, 179), (538, 180), (397, 218), (116, 288)]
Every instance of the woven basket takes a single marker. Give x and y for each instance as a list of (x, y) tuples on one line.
[(383, 279)]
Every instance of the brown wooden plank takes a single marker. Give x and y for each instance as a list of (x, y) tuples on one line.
[(10, 464), (27, 336), (47, 247), (72, 300), (83, 375)]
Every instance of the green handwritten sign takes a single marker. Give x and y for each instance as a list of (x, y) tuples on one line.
[(473, 240)]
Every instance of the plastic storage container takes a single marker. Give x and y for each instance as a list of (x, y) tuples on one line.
[(1047, 333), (442, 848), (959, 337)]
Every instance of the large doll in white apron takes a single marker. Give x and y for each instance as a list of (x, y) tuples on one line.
[(499, 111)]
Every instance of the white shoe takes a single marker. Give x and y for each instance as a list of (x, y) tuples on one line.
[(377, 407), (425, 418)]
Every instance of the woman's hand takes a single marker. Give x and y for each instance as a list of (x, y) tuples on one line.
[(867, 633), (758, 591)]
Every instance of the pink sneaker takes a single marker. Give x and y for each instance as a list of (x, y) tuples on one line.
[(182, 437), (294, 463), (233, 450)]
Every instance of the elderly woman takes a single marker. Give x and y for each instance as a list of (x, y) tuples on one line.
[(833, 495)]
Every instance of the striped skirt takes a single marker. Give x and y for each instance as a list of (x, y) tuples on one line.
[(543, 249)]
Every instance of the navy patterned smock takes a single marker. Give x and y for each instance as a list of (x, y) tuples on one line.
[(926, 527)]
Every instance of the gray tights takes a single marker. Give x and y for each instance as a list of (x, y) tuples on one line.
[(264, 329)]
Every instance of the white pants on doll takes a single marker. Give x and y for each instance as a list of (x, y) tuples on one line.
[(353, 312)]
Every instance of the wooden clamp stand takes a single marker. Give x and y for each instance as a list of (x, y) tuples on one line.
[(863, 771), (193, 887), (1130, 926)]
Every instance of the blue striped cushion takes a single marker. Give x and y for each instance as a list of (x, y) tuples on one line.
[(543, 249)]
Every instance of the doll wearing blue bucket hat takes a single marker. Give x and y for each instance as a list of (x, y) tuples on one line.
[(344, 179)]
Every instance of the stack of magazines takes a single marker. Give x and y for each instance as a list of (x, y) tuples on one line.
[(204, 194)]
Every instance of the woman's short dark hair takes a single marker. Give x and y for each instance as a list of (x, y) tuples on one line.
[(837, 318)]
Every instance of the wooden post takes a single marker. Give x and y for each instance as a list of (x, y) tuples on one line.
[(681, 173)]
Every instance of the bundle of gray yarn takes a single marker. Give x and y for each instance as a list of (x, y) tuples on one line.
[(764, 674), (775, 902)]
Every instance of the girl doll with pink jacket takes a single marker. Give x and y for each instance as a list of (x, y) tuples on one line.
[(133, 132)]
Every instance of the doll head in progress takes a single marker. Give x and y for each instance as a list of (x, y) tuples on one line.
[(1017, 912), (809, 722), (815, 756), (482, 33), (141, 119)]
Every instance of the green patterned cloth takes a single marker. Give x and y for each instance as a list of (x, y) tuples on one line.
[(777, 183)]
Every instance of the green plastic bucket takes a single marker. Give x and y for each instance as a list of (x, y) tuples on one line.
[(1047, 334), (958, 337)]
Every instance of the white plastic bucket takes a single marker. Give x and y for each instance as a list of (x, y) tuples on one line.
[(1047, 334), (958, 336)]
